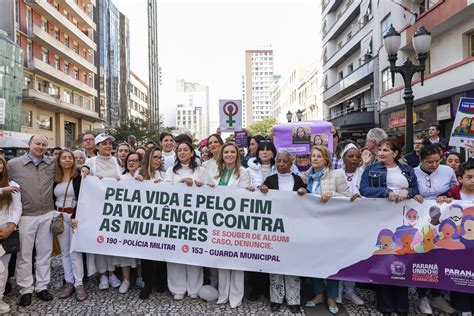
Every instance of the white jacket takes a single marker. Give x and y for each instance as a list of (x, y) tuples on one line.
[(12, 212), (242, 182), (256, 176)]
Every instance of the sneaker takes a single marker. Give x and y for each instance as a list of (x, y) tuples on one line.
[(104, 282), (66, 291), (139, 283), (4, 307), (354, 298), (124, 287), (424, 306), (178, 297), (114, 281), (442, 304), (81, 294)]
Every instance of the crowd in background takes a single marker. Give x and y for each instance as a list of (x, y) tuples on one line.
[(44, 184)]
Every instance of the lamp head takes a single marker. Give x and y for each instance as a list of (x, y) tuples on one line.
[(422, 41), (391, 40), (289, 116), (299, 114)]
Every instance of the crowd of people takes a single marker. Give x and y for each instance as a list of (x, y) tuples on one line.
[(38, 186)]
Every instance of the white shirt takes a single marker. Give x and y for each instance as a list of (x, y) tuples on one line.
[(11, 213), (467, 197), (199, 174), (434, 184), (60, 194), (211, 167), (286, 182), (396, 181)]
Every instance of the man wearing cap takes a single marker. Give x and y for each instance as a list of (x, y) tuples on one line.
[(34, 172), (104, 165)]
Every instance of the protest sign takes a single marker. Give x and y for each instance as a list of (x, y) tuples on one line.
[(241, 139), (463, 127), (230, 115), (369, 240), (298, 137)]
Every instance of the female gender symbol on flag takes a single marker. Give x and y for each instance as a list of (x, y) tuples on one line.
[(230, 115)]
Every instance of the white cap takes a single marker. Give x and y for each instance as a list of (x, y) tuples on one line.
[(101, 137)]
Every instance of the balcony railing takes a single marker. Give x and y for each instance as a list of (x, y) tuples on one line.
[(341, 18), (83, 16)]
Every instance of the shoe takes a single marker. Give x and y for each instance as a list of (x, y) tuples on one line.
[(333, 310), (442, 304), (312, 303), (4, 307), (66, 291), (424, 306), (81, 294), (193, 296), (178, 297), (145, 293), (104, 282), (354, 298), (124, 287), (236, 305), (114, 281), (275, 307), (139, 283), (25, 300), (44, 296), (295, 309)]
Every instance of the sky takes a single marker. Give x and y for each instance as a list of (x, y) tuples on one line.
[(205, 41)]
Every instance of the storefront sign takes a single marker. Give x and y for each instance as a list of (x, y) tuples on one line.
[(400, 120), (443, 112)]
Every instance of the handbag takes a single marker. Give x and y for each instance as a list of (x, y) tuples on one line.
[(12, 243), (57, 223)]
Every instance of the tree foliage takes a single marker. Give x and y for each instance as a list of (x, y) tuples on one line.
[(139, 130), (263, 127)]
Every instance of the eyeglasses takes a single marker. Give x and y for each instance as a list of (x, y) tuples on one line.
[(428, 181), (133, 161), (158, 157)]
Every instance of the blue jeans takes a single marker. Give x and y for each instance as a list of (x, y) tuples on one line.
[(332, 287)]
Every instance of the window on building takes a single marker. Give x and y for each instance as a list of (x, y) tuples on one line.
[(350, 68), (386, 79), (76, 73), (29, 19), (29, 52), (425, 5), (66, 68), (470, 40), (44, 122), (75, 48), (44, 55), (67, 96), (53, 90), (66, 40), (26, 118), (56, 62), (341, 75), (77, 100), (44, 25), (385, 24), (56, 33)]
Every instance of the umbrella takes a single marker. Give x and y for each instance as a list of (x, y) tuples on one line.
[(8, 142)]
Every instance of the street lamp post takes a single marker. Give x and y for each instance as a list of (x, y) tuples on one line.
[(421, 43), (289, 115)]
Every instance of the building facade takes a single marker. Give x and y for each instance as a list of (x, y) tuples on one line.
[(11, 83), (449, 69), (139, 109), (58, 85), (113, 63), (258, 85), (349, 58), (192, 107), (154, 72)]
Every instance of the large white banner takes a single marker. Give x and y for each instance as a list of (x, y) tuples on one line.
[(230, 115), (369, 240)]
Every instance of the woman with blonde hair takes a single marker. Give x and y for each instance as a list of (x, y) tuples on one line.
[(67, 183), (231, 174), (10, 214), (327, 183)]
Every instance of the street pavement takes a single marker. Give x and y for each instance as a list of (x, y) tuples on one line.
[(111, 302)]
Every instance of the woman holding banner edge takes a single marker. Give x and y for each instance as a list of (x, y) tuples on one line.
[(231, 174), (184, 278), (397, 182), (327, 183)]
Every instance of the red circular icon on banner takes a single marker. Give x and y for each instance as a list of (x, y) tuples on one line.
[(185, 248), (100, 239)]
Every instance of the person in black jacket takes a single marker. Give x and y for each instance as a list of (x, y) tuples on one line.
[(282, 286), (67, 182)]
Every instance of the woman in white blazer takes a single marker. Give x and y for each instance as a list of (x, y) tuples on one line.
[(231, 174)]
